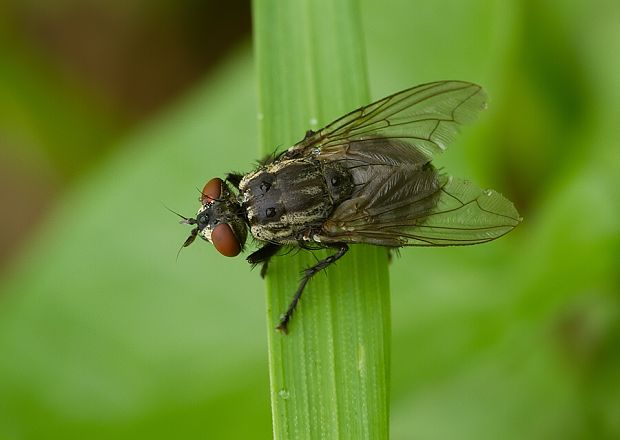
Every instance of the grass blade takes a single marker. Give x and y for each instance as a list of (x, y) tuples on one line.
[(330, 374)]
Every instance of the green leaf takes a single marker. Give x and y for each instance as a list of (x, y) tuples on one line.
[(330, 374), (103, 334)]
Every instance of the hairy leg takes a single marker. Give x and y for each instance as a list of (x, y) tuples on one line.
[(309, 273), (234, 179), (262, 256)]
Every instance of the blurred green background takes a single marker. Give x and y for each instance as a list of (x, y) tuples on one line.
[(109, 110)]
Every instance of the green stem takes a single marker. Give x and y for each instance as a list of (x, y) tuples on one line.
[(330, 374)]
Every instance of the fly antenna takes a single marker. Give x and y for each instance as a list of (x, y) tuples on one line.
[(185, 220), (189, 240)]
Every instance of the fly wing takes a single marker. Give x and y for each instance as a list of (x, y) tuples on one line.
[(426, 117), (400, 200)]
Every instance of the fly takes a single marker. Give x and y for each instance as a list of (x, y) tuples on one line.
[(365, 178)]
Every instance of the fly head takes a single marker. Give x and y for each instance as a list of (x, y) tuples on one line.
[(219, 219)]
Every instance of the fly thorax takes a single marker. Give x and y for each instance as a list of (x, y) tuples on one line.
[(338, 180), (283, 199)]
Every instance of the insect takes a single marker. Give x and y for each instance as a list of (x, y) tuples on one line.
[(365, 178)]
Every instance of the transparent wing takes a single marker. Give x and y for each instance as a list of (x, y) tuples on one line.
[(464, 214), (439, 211), (426, 117)]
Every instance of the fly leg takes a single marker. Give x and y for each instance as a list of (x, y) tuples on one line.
[(234, 179), (309, 273), (263, 255), (392, 252)]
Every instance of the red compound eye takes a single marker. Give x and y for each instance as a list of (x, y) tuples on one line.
[(212, 190), (225, 241)]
